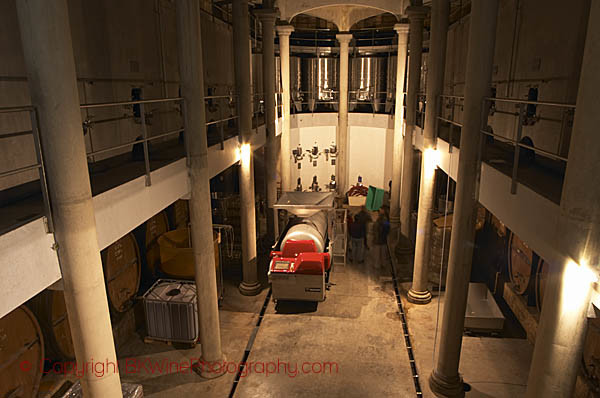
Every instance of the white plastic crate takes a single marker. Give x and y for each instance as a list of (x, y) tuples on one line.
[(172, 311)]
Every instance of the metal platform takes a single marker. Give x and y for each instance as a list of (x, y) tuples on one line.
[(483, 314), (305, 204)]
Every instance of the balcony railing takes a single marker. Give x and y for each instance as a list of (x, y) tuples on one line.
[(39, 165)]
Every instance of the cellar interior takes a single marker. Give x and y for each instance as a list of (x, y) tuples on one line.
[(276, 198)]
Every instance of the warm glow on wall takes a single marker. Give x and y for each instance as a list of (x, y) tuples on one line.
[(244, 154), (430, 162), (577, 280)]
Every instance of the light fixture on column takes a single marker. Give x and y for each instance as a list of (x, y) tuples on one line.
[(577, 280), (244, 154), (430, 162)]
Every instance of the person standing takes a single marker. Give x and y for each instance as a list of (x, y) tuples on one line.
[(381, 231), (358, 233)]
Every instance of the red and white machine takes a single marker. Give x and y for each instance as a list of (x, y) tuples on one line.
[(300, 264)]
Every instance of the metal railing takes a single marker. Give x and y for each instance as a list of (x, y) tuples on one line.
[(39, 165), (522, 113), (143, 115), (452, 102), (448, 102)]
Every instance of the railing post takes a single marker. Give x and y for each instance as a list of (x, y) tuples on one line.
[(513, 184), (221, 128), (41, 169), (145, 144)]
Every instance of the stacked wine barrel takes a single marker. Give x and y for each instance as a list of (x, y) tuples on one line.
[(440, 250), (51, 311), (155, 227), (21, 353), (441, 232), (122, 273), (181, 214), (522, 265)]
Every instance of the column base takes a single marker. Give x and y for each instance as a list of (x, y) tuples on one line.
[(395, 221), (415, 297), (210, 369), (250, 289), (446, 388)]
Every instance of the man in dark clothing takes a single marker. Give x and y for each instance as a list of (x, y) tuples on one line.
[(381, 231), (358, 233)]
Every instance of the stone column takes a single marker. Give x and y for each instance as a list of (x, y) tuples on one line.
[(284, 32), (267, 18), (419, 292), (242, 64), (189, 43), (562, 330), (48, 51), (445, 380), (402, 30), (341, 164), (416, 15)]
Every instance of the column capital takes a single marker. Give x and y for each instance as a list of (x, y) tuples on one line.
[(344, 37), (284, 30), (417, 12), (267, 14), (402, 28)]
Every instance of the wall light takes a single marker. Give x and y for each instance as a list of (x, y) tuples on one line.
[(431, 158), (244, 154), (577, 280)]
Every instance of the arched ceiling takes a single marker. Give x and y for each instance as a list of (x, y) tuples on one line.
[(344, 13)]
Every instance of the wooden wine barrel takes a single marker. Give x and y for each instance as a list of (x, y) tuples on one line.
[(155, 227), (122, 272), (591, 350), (498, 226), (21, 352), (181, 214), (441, 232), (51, 311), (541, 278), (521, 264)]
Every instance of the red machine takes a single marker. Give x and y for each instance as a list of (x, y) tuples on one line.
[(299, 271)]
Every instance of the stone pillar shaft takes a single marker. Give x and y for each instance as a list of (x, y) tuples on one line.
[(341, 165), (243, 82), (267, 18), (562, 329), (416, 15), (445, 380), (419, 292), (284, 32), (189, 42), (48, 51), (402, 30)]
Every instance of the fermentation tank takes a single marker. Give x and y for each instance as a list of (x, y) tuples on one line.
[(296, 83), (320, 80), (368, 81), (309, 228), (392, 64)]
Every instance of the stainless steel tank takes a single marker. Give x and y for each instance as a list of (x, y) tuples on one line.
[(392, 67), (320, 80), (368, 81), (296, 83), (310, 228), (277, 74)]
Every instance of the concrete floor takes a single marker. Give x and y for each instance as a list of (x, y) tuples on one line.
[(353, 341)]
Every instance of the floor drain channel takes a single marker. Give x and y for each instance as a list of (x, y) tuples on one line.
[(411, 356), (250, 344)]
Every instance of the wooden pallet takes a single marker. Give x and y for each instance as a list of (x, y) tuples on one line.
[(155, 340)]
